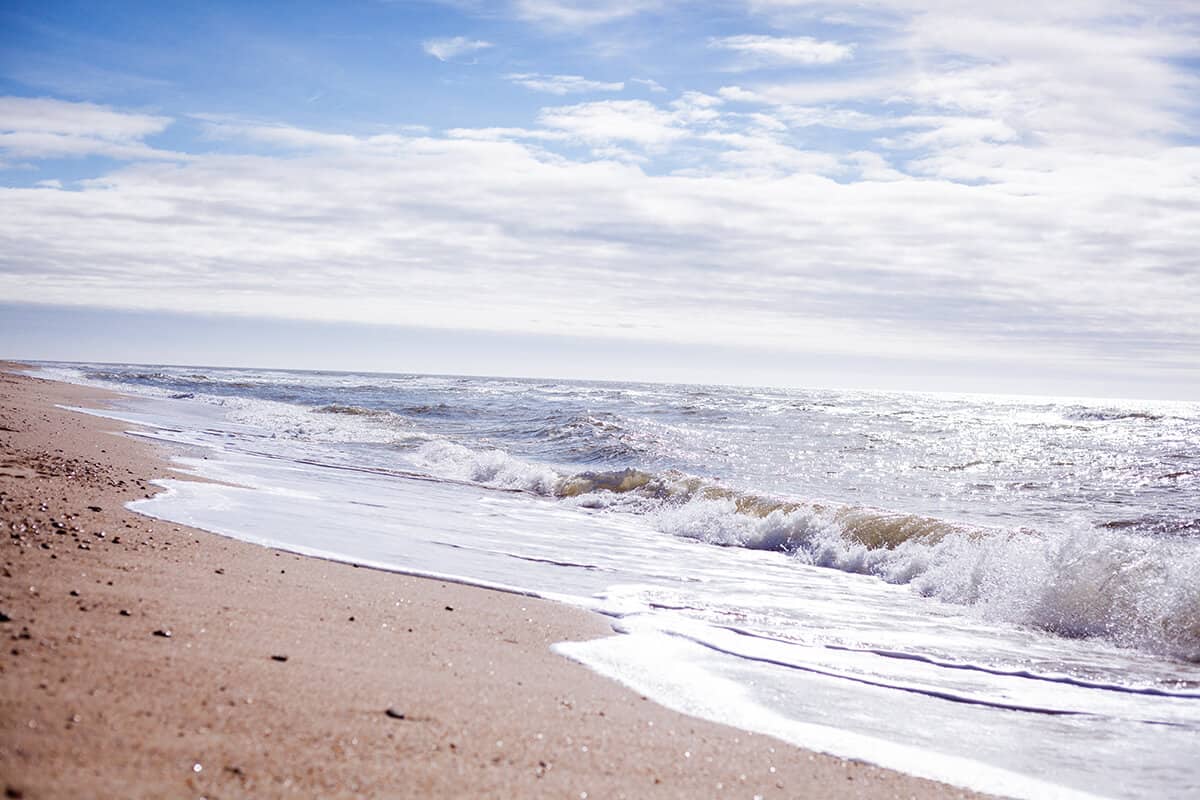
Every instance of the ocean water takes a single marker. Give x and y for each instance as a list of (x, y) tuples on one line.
[(1002, 593)]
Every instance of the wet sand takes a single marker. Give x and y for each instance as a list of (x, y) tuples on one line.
[(145, 659)]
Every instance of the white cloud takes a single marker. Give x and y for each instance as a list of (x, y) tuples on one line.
[(447, 48), (44, 115), (649, 83), (580, 13), (1013, 94), (562, 84), (46, 128), (771, 51), (737, 94), (634, 121)]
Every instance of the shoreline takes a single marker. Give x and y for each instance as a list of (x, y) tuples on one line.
[(280, 670)]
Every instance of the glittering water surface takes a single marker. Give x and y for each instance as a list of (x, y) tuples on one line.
[(1000, 592)]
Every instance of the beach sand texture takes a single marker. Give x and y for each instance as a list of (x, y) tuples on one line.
[(291, 676)]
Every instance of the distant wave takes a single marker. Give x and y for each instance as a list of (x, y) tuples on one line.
[(598, 437), (353, 411), (1111, 415)]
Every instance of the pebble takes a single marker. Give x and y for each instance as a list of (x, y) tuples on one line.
[(124, 612), (163, 632), (395, 713), (5, 617), (95, 508), (279, 658)]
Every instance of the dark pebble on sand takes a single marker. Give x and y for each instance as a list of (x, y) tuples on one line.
[(6, 618), (124, 612), (166, 634), (219, 571), (279, 658), (74, 593), (95, 508), (449, 608), (395, 713)]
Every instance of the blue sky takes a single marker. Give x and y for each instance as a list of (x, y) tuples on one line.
[(946, 195)]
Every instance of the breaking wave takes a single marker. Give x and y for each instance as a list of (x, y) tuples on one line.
[(1130, 589)]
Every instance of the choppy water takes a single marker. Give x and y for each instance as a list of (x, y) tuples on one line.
[(1001, 592)]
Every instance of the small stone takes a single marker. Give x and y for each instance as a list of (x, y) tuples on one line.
[(95, 508), (74, 593), (279, 658), (395, 713), (352, 619), (449, 608), (163, 632), (6, 618), (219, 571), (124, 612)]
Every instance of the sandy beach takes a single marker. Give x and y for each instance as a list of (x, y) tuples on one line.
[(145, 659)]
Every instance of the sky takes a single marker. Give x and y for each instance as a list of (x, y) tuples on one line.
[(945, 195)]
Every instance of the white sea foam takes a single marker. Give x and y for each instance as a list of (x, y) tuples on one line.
[(493, 467), (695, 686), (291, 421), (1080, 582)]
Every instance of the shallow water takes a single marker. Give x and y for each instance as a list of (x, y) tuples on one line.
[(1003, 593)]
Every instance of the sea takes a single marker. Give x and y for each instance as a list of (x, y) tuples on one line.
[(1002, 593)]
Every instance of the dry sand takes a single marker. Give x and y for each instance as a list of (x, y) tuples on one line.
[(278, 673)]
